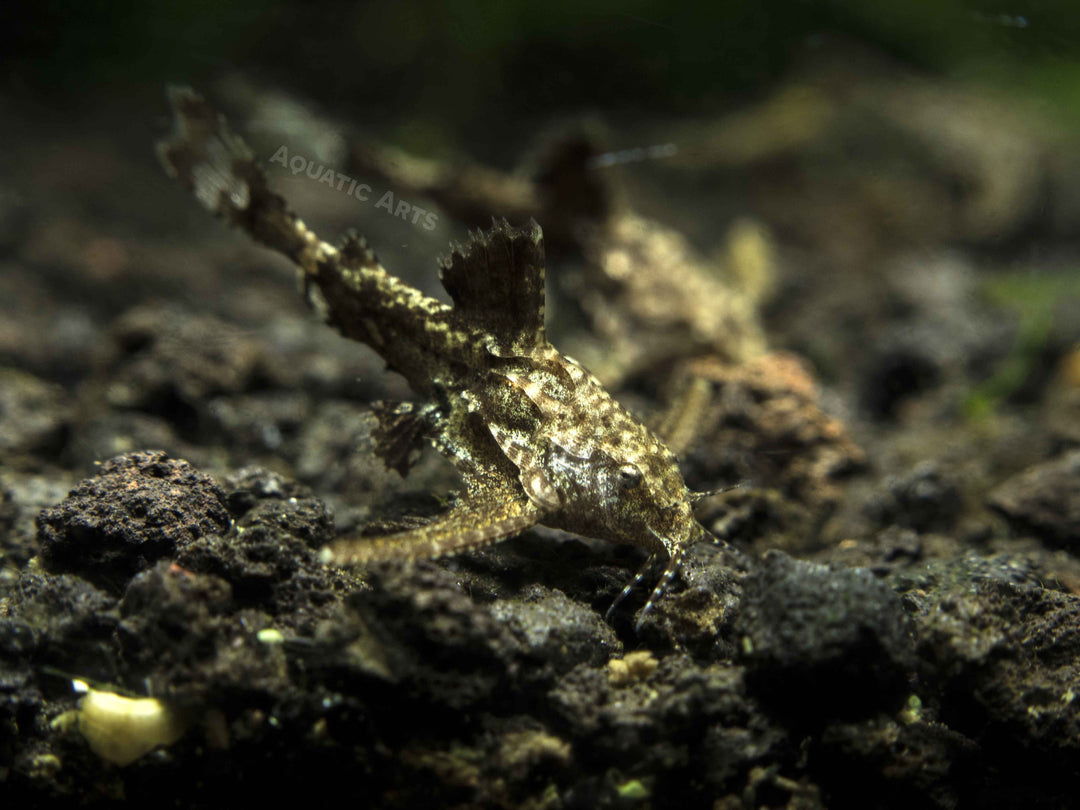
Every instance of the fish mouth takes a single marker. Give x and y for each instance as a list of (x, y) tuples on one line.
[(679, 541)]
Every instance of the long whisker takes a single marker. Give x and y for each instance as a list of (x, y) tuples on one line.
[(672, 568), (700, 496), (665, 579), (630, 587)]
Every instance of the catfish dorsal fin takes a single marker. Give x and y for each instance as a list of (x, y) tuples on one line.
[(497, 282), (399, 433)]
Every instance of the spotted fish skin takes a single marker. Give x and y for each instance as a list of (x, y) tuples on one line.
[(536, 437)]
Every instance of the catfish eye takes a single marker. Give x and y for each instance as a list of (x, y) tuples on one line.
[(629, 476)]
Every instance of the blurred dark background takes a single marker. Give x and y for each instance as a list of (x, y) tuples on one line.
[(473, 71), (868, 138)]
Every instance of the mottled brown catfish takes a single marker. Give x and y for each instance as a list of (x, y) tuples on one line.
[(535, 436)]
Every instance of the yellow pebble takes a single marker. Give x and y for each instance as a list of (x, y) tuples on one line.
[(636, 666), (121, 729)]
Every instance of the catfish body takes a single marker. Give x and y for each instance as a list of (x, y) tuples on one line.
[(536, 437)]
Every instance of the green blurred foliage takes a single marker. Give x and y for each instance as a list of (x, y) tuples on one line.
[(457, 60), (1032, 298)]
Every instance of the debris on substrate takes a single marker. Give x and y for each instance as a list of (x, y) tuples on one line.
[(891, 623)]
